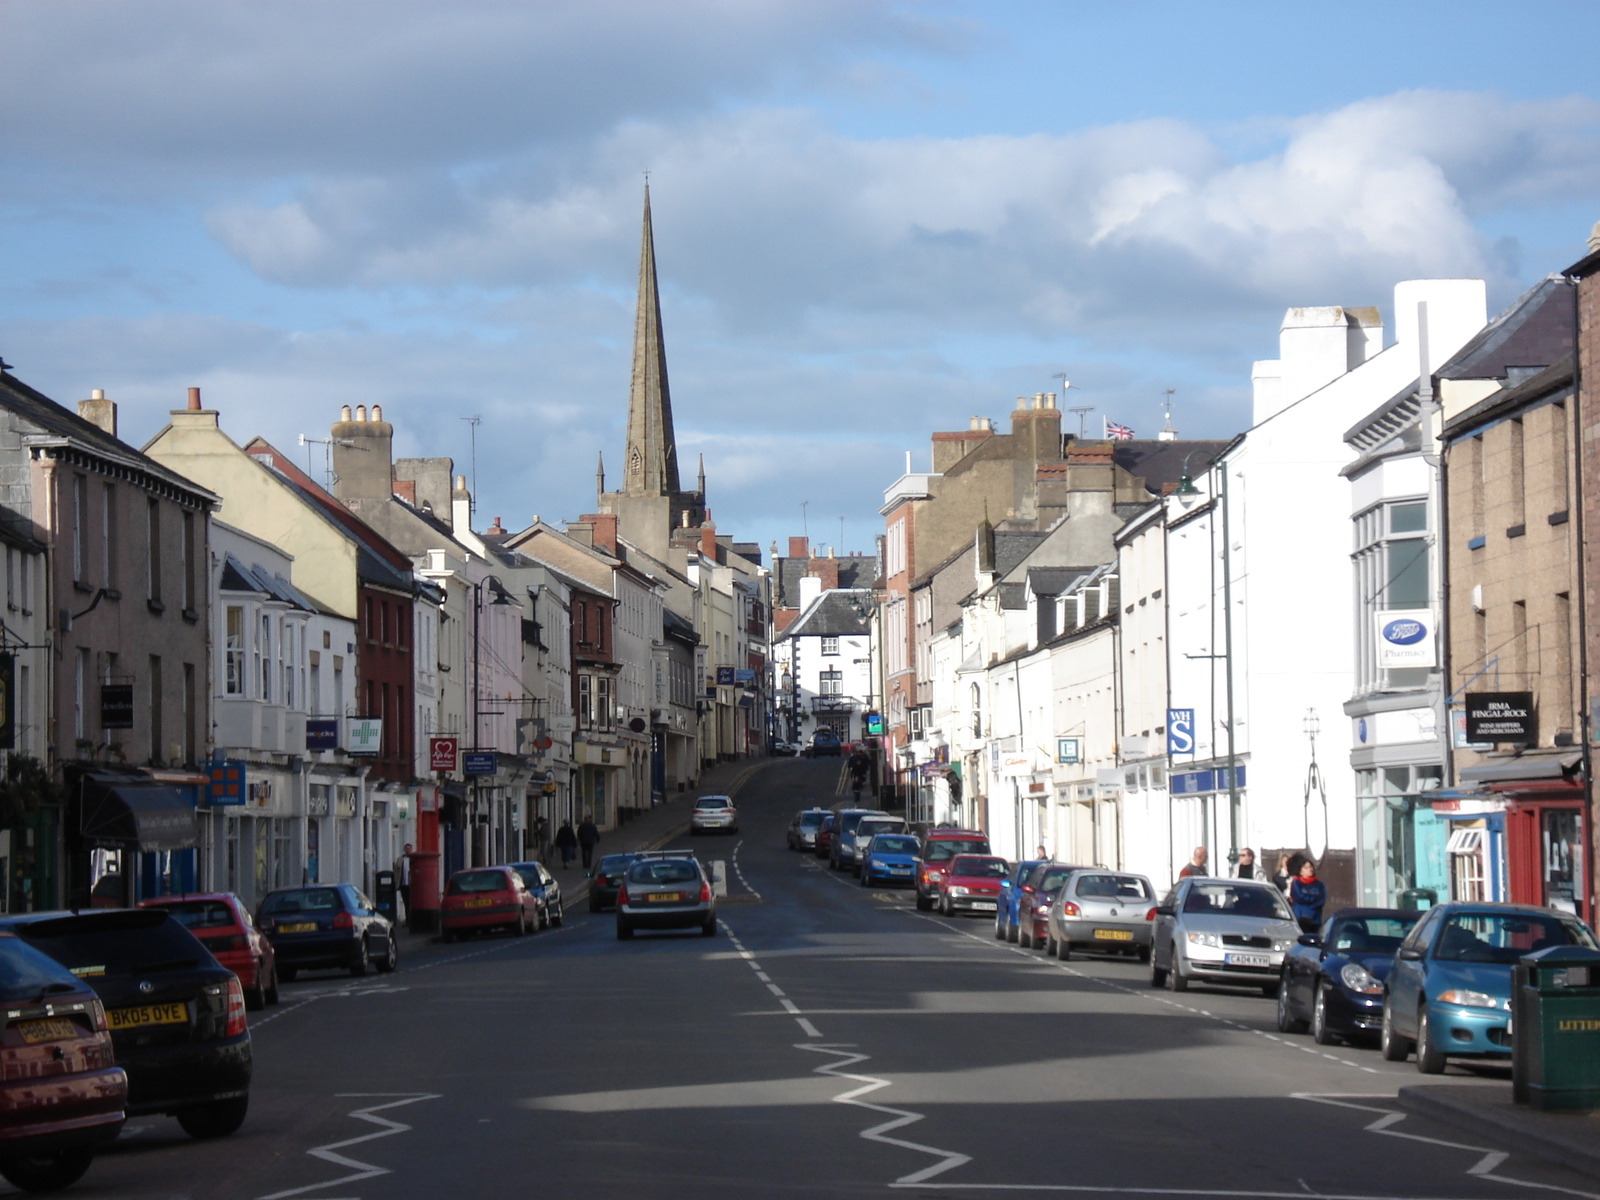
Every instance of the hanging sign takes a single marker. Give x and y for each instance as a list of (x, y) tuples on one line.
[(1405, 639), (322, 733), (442, 754), (116, 705), (1501, 717), (1180, 731), (366, 735)]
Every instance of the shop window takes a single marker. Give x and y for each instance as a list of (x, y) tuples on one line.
[(1466, 865)]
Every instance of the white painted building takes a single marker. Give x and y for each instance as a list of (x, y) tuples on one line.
[(822, 664)]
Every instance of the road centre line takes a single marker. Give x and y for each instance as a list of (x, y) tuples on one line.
[(330, 1152), (739, 871)]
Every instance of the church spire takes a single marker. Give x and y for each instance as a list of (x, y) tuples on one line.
[(650, 463), (702, 477), (600, 475)]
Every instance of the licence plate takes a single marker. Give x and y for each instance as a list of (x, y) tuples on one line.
[(665, 896), (148, 1014), (299, 927), (1248, 960), (899, 870), (983, 904), (55, 1030), (1113, 935), (477, 902)]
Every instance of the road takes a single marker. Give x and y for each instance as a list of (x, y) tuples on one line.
[(832, 1042)]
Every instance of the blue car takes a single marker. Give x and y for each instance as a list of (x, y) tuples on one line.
[(1005, 913), (1333, 979), (546, 890), (1449, 991), (890, 858)]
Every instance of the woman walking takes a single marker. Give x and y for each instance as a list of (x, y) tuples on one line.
[(1307, 895)]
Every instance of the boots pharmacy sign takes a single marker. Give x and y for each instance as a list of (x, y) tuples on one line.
[(1405, 639), (1501, 717)]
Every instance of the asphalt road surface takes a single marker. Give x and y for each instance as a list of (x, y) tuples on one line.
[(830, 1042)]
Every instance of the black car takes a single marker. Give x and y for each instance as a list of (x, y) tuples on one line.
[(545, 889), (329, 926), (606, 878), (1333, 979), (176, 1014)]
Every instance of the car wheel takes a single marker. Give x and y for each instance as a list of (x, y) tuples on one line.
[(391, 960), (47, 1172), (286, 974), (923, 903), (999, 930), (709, 929), (624, 932), (1050, 947), (1287, 1021), (1177, 980), (1320, 1033), (560, 915), (1064, 951), (1158, 974), (363, 957), (272, 986), (520, 929), (214, 1120), (1393, 1047), (1430, 1059), (594, 906), (1024, 938), (256, 998), (1013, 933)]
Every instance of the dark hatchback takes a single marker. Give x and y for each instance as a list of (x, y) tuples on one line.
[(606, 879), (60, 1095), (329, 926), (176, 1014), (1333, 979)]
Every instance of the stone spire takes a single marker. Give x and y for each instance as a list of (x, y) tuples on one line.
[(600, 475), (701, 484), (650, 462)]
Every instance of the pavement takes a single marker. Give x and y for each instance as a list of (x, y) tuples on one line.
[(1486, 1110), (830, 1042)]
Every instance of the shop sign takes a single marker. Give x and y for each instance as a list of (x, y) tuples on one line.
[(1014, 766), (1068, 750), (366, 735), (322, 733), (1180, 731), (874, 724), (442, 753), (1458, 732), (478, 762), (725, 677), (1501, 717), (116, 706), (226, 788), (1405, 638)]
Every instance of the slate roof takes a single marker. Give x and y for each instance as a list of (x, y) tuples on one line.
[(237, 577), (1535, 331), (831, 615), (1052, 581), (1156, 463), (1011, 546), (855, 571)]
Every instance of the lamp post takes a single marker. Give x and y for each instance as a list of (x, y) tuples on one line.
[(1313, 726)]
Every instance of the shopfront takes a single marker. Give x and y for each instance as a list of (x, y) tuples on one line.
[(1542, 798), (1403, 851)]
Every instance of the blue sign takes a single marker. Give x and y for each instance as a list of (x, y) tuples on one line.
[(1180, 731), (724, 676), (478, 762), (322, 733), (227, 787), (741, 675), (1404, 632), (1194, 783)]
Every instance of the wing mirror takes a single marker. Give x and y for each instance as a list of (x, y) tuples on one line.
[(1410, 954), (1309, 939), (1164, 910)]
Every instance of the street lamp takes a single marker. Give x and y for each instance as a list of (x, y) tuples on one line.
[(1312, 724)]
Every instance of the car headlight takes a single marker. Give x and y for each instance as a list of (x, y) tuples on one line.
[(1282, 945), (1358, 979), (1467, 999), (957, 890), (1205, 939)]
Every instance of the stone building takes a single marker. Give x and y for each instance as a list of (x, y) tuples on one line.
[(1586, 515)]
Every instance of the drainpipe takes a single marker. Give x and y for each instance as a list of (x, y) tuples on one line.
[(1227, 634)]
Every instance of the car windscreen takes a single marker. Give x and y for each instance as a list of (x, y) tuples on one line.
[(117, 943), (468, 883), (893, 843), (1226, 899), (811, 820), (947, 848), (1113, 887), (713, 802), (25, 972), (1504, 937), (983, 868), (664, 871), (302, 900), (611, 864), (199, 914), (869, 827), (1370, 935), (1052, 879)]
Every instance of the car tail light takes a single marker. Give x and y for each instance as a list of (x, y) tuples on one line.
[(1069, 909), (1151, 915), (233, 942), (705, 893), (236, 1021), (622, 896), (599, 881), (97, 1014), (342, 920), (1027, 887)]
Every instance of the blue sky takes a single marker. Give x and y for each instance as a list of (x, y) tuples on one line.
[(872, 219)]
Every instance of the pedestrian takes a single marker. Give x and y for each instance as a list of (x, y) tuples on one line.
[(402, 873), (1247, 863), (588, 837), (1039, 852), (1284, 873), (1196, 864), (1307, 895), (566, 842)]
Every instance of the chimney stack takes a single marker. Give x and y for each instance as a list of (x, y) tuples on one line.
[(363, 456), (461, 506), (799, 547), (99, 411)]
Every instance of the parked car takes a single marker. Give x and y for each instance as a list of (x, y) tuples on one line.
[(330, 926), (825, 835), (61, 1094), (1005, 917), (483, 898), (824, 744), (971, 883), (545, 889), (889, 858), (1449, 991), (1333, 979), (802, 833), (1104, 912), (223, 924), (666, 893), (842, 845), (782, 749), (606, 878), (1034, 897), (176, 1014), (714, 814), (868, 828), (939, 846), (1229, 931)]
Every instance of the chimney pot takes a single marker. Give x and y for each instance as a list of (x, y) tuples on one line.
[(344, 412), (97, 393), (361, 412), (1049, 399), (377, 412), (461, 483), (194, 399)]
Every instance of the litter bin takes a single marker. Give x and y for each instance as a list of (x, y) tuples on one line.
[(1555, 1028), (1418, 899), (383, 884)]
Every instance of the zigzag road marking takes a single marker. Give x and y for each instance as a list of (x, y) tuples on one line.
[(330, 1152)]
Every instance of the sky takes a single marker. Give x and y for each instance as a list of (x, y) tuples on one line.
[(873, 219)]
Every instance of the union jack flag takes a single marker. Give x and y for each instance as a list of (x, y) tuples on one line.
[(1118, 433)]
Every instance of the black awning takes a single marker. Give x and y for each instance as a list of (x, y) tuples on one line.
[(1515, 770), (136, 816)]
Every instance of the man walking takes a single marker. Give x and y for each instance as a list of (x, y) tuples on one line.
[(402, 872), (566, 842), (1196, 864), (588, 836)]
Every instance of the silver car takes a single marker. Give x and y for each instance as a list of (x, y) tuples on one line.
[(1231, 931), (803, 829), (714, 814), (867, 829), (666, 893), (1106, 912)]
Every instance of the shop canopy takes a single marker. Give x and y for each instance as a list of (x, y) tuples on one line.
[(1521, 770), (127, 814)]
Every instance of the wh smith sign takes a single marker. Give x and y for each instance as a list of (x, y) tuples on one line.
[(1405, 638)]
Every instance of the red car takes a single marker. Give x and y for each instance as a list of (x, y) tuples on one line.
[(938, 848), (1034, 898), (971, 883), (824, 841), (222, 923), (487, 898)]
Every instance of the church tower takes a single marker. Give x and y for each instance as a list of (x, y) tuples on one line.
[(651, 507)]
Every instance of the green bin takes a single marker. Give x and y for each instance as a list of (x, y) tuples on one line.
[(1555, 1026), (1418, 899)]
